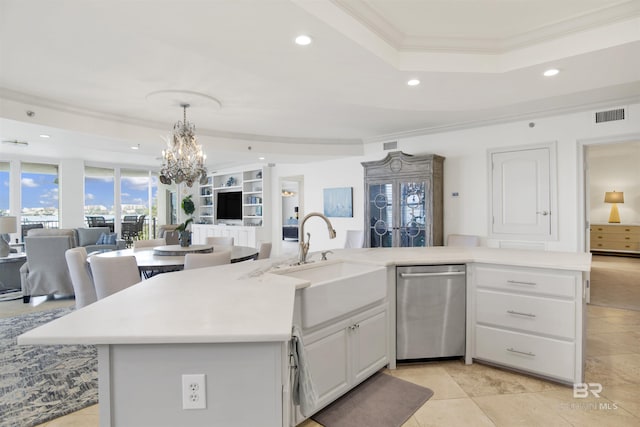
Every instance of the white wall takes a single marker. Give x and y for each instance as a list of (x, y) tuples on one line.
[(465, 172), (614, 167)]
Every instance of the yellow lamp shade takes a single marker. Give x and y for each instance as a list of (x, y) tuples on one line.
[(614, 197)]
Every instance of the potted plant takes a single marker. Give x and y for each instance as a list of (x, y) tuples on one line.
[(184, 235)]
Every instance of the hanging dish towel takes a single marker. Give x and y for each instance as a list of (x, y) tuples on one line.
[(304, 392)]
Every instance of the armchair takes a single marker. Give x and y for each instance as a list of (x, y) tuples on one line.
[(46, 272)]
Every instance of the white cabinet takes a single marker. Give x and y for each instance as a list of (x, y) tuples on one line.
[(528, 319), (242, 236), (346, 353)]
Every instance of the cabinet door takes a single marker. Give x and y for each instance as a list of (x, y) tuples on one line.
[(381, 214), (327, 355), (414, 219), (369, 341)]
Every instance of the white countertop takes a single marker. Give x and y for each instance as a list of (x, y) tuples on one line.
[(224, 304)]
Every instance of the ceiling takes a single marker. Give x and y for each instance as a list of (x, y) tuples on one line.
[(102, 77)]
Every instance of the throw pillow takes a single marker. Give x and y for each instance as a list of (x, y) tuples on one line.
[(101, 239), (107, 239), (110, 239)]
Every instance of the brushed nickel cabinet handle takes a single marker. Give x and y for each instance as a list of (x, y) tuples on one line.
[(518, 282), (520, 313), (526, 353)]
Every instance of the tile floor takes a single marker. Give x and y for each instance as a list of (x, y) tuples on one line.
[(480, 395)]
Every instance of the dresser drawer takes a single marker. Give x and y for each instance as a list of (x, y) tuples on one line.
[(614, 229), (545, 282), (544, 356), (528, 313), (615, 245), (614, 237)]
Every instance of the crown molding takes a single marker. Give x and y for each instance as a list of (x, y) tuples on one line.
[(35, 101), (510, 118), (377, 24)]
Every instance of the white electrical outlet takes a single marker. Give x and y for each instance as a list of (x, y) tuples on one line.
[(194, 391)]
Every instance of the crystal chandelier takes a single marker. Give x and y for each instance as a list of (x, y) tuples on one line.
[(183, 160)]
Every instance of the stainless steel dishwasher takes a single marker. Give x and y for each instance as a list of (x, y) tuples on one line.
[(430, 311)]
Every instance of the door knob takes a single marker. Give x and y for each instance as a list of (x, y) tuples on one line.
[(544, 213)]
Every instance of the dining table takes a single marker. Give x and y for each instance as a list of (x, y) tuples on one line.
[(159, 260)]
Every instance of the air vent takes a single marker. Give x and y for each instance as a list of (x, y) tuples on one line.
[(610, 115), (390, 145)]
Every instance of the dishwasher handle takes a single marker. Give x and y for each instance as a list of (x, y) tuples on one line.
[(440, 274)]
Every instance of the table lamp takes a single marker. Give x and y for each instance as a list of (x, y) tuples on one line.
[(8, 224), (614, 197)]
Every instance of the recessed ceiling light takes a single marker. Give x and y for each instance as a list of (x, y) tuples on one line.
[(551, 72), (260, 158), (135, 147), (413, 82), (44, 135), (303, 40)]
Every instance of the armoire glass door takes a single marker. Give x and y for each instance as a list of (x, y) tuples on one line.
[(412, 217), (381, 215)]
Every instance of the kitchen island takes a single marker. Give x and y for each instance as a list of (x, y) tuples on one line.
[(233, 323)]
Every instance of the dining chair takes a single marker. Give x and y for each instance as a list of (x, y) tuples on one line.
[(192, 261), (220, 241), (462, 240), (264, 251), (354, 239), (113, 274), (148, 244), (79, 270)]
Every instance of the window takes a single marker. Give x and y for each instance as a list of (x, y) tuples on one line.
[(5, 189), (39, 186), (99, 190), (138, 195)]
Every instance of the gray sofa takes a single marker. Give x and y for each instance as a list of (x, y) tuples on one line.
[(88, 237)]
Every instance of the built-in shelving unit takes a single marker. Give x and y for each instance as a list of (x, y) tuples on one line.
[(252, 197), (252, 184), (205, 202)]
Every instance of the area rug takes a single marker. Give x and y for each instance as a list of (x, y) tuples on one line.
[(380, 401), (40, 383), (10, 295)]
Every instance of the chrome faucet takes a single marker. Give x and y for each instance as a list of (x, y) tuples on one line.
[(304, 246)]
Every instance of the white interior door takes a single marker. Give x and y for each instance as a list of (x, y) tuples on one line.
[(521, 183)]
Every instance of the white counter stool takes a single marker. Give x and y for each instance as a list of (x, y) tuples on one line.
[(462, 240)]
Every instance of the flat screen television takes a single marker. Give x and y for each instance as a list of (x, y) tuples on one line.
[(229, 205)]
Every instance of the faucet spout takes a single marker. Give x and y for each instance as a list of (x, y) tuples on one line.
[(304, 246)]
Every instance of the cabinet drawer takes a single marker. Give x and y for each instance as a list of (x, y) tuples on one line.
[(529, 313), (544, 356), (548, 282)]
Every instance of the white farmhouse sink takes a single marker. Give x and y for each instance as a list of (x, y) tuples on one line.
[(337, 288)]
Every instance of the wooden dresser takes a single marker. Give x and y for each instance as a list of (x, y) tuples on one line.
[(615, 238)]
